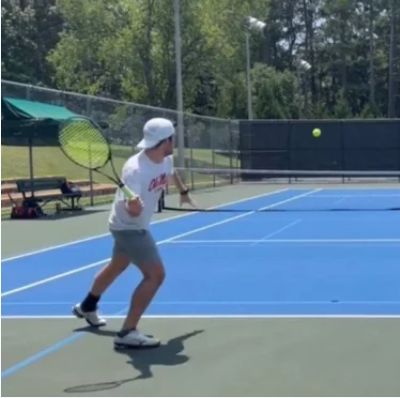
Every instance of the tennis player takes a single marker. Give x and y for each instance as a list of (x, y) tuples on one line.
[(146, 174)]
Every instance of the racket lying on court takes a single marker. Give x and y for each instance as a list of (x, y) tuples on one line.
[(83, 142)]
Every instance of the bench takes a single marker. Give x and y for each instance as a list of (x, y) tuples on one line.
[(46, 190)]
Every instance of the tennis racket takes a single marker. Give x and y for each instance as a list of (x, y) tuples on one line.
[(83, 143)]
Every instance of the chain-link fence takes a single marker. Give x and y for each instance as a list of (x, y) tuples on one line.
[(209, 142)]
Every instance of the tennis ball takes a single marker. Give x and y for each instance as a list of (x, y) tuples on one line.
[(316, 132)]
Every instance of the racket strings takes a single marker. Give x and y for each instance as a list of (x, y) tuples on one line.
[(84, 144)]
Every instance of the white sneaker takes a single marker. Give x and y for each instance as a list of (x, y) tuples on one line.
[(135, 339), (92, 318)]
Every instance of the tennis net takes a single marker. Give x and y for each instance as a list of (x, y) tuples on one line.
[(240, 190)]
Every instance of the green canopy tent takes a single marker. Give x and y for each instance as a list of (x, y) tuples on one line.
[(15, 108), (31, 123), (23, 120)]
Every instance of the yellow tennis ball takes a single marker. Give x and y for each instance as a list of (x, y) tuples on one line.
[(316, 132)]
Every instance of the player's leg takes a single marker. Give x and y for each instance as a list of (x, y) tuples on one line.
[(146, 256), (87, 309)]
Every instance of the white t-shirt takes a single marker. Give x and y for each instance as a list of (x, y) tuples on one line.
[(147, 179)]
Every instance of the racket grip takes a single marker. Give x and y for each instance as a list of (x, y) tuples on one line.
[(128, 193)]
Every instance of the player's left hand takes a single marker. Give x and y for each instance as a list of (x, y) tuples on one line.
[(185, 198)]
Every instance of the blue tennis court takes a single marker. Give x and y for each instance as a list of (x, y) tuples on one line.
[(235, 279), (249, 263)]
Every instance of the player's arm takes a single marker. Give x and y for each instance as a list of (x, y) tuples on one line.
[(182, 188), (132, 180), (175, 177)]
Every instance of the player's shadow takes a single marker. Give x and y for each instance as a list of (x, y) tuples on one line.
[(142, 360)]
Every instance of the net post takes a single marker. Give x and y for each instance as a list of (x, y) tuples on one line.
[(161, 202)]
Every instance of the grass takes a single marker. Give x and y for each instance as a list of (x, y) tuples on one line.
[(50, 161)]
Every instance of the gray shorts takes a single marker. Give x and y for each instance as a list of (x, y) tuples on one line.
[(138, 245)]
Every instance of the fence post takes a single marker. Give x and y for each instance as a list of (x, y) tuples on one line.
[(231, 150), (342, 149), (90, 170), (289, 149), (30, 145), (212, 154), (190, 159)]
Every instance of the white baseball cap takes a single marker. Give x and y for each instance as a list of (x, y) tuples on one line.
[(154, 131)]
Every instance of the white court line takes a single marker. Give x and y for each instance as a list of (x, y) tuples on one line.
[(217, 241), (278, 231), (53, 278), (247, 213), (213, 316), (46, 249), (339, 200), (357, 196), (86, 267), (212, 303)]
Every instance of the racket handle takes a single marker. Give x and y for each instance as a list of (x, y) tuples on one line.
[(128, 193)]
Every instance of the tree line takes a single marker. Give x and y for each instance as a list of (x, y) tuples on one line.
[(313, 58)]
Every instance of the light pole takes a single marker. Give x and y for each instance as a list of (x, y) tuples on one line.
[(179, 95), (301, 65), (251, 23)]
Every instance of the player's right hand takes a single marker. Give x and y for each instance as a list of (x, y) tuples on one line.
[(134, 207)]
